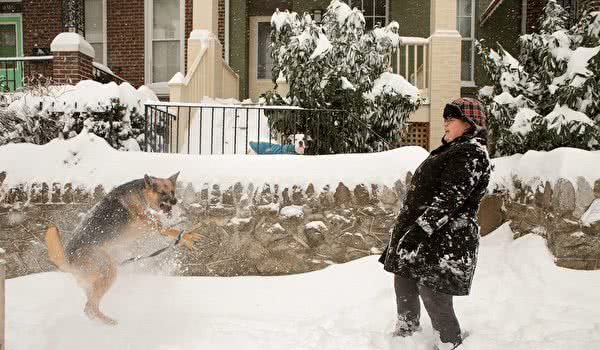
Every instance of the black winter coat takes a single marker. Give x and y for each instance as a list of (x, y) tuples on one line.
[(439, 218)]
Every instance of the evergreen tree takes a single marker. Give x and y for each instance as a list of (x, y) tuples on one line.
[(549, 96), (337, 65)]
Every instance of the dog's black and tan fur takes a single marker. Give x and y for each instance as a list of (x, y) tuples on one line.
[(124, 215)]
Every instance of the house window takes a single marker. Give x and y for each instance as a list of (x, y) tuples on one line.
[(95, 32), (164, 40), (264, 59), (375, 11), (466, 28)]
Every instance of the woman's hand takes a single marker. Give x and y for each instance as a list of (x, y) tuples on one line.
[(412, 240)]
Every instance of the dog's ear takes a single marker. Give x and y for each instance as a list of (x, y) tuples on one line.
[(147, 181), (173, 178)]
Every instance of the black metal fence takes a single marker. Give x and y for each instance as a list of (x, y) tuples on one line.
[(242, 129), (103, 75), (16, 72)]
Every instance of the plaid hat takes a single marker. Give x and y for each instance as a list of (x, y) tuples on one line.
[(467, 109)]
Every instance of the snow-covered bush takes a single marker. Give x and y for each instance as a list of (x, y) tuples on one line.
[(338, 65), (550, 96), (113, 112)]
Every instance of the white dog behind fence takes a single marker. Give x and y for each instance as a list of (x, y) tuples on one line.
[(296, 145)]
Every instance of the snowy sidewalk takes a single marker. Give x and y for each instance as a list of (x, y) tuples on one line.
[(520, 300)]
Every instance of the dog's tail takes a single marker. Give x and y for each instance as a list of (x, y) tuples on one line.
[(56, 251)]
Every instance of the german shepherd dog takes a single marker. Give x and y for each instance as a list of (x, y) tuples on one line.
[(126, 213)]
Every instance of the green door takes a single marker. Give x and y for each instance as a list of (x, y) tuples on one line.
[(11, 45)]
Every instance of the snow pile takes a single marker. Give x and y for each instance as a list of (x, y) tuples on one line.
[(534, 168), (520, 301), (87, 160)]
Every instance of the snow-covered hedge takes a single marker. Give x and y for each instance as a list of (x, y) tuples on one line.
[(550, 96), (113, 112)]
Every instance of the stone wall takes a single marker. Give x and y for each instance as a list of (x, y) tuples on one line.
[(247, 230), (269, 230), (566, 213)]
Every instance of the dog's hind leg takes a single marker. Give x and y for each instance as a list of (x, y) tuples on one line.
[(97, 275)]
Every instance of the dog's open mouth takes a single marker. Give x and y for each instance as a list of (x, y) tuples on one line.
[(165, 207)]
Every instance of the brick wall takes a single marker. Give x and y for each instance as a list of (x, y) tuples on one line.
[(71, 67), (125, 32), (535, 9), (125, 35), (41, 23)]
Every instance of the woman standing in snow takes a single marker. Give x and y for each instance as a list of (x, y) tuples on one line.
[(434, 244)]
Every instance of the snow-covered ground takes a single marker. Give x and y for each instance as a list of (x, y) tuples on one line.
[(520, 300)]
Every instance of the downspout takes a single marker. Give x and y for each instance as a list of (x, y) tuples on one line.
[(226, 44)]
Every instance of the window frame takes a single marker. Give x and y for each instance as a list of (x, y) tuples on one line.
[(161, 87), (104, 34), (471, 81), (258, 23), (373, 16)]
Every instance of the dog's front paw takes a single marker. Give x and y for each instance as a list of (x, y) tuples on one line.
[(189, 238)]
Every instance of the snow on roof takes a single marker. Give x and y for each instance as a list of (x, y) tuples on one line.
[(393, 84)]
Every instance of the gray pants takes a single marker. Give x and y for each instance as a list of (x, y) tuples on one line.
[(438, 305)]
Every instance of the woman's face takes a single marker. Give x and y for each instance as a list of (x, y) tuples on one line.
[(454, 127)]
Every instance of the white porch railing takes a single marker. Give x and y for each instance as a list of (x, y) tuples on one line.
[(208, 74), (412, 62)]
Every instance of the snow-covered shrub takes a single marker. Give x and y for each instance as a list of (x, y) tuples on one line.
[(113, 112), (338, 65), (550, 96)]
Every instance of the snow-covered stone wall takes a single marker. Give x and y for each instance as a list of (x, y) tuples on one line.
[(271, 215)]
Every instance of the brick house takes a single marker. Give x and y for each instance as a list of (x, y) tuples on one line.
[(141, 41), (221, 46)]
